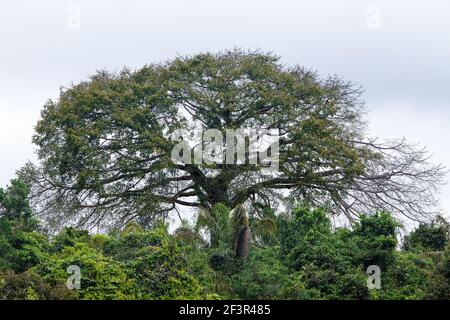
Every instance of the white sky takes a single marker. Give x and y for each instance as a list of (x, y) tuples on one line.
[(399, 51)]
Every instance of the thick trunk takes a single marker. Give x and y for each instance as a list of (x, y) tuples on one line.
[(241, 243), (241, 232)]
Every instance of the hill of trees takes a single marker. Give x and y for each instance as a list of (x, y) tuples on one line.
[(302, 257)]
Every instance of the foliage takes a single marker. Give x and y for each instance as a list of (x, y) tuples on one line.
[(307, 257), (21, 245), (101, 277), (105, 144), (30, 286), (433, 236), (217, 222), (376, 234), (261, 276), (439, 287), (157, 262), (307, 237), (406, 279), (325, 260), (14, 203)]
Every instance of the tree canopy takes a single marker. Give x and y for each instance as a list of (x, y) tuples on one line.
[(105, 145)]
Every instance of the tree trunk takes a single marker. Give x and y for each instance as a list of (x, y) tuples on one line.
[(241, 232), (241, 243)]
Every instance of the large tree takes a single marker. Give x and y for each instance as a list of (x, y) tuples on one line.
[(105, 146)]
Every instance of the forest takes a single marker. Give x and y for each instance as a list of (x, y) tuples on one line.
[(106, 214), (302, 257)]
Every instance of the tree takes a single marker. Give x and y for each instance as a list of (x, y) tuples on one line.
[(21, 245), (105, 146), (262, 276), (233, 227), (101, 278), (157, 263), (432, 236), (377, 236), (408, 278), (325, 263), (14, 202), (306, 237), (439, 287), (30, 286)]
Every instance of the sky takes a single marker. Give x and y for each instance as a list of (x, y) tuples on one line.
[(398, 51)]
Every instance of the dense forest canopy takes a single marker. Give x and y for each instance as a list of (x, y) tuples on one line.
[(304, 259), (104, 146)]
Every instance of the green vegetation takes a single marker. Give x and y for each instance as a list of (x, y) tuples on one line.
[(105, 149), (304, 257)]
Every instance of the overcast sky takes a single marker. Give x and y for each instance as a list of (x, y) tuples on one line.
[(399, 51)]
